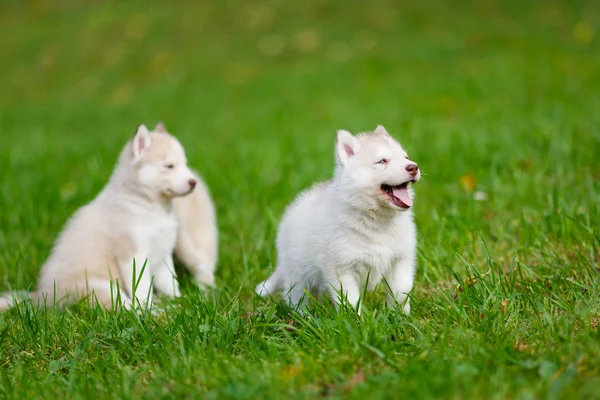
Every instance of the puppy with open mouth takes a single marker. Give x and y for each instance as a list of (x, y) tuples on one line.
[(353, 231)]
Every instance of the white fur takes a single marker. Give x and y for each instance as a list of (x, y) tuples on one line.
[(130, 221), (340, 233)]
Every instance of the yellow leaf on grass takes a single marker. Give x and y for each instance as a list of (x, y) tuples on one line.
[(291, 371), (467, 182)]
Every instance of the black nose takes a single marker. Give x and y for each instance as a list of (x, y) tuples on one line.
[(412, 169), (192, 183)]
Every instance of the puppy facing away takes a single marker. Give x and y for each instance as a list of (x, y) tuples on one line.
[(197, 233), (131, 221), (353, 231)]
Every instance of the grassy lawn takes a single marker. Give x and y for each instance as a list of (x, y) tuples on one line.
[(494, 100)]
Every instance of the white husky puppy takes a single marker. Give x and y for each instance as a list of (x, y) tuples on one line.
[(354, 230), (130, 221)]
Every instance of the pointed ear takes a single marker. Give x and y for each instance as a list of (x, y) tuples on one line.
[(381, 130), (346, 146), (160, 127), (141, 141)]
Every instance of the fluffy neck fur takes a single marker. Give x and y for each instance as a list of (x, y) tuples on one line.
[(362, 212)]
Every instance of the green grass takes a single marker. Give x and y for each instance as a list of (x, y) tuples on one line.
[(497, 97)]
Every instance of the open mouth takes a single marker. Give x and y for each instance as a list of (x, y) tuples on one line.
[(398, 195)]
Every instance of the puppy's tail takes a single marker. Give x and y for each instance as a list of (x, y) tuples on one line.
[(10, 299), (271, 285)]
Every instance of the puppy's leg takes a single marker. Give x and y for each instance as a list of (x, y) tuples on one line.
[(345, 285), (197, 235), (165, 279), (197, 255), (138, 284), (272, 284), (107, 293), (401, 279), (9, 299), (295, 295)]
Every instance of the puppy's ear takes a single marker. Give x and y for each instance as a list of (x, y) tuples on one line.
[(141, 141), (160, 127), (380, 130), (346, 146)]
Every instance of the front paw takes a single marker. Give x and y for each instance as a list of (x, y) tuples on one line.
[(406, 308), (204, 280), (393, 303), (176, 292)]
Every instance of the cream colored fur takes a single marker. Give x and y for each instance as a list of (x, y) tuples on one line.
[(197, 234), (130, 221)]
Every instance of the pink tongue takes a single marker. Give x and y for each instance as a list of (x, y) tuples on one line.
[(403, 195)]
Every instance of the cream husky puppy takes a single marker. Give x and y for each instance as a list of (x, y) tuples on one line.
[(354, 230), (130, 221)]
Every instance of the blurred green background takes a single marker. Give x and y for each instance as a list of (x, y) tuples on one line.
[(496, 100), (490, 91)]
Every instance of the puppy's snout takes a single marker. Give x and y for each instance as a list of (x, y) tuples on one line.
[(192, 183), (412, 169)]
